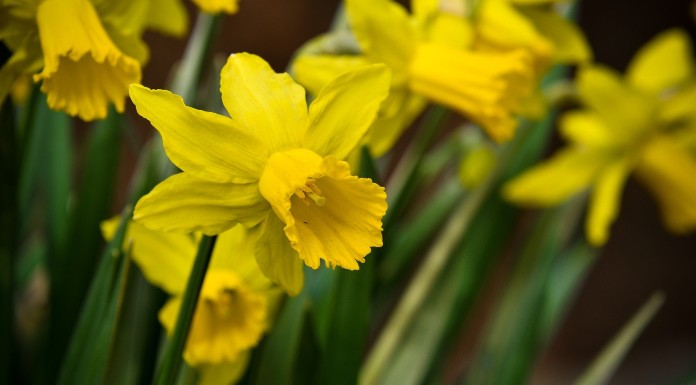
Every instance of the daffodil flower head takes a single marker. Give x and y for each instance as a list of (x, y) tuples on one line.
[(236, 301), (90, 51), (632, 124), (274, 163), (429, 61)]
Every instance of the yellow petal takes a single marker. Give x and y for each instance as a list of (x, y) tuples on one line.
[(129, 17), (185, 203), (387, 129), (168, 16), (586, 127), (501, 25), (224, 374), (328, 213), (83, 70), (569, 44), (230, 318), (485, 87), (668, 171), (605, 201), (664, 62), (268, 105), (625, 110), (207, 145), (679, 107), (276, 258), (451, 30), (384, 32), (552, 182), (345, 109), (217, 6), (313, 72), (164, 258), (235, 251)]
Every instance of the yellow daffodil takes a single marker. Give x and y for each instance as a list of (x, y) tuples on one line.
[(643, 123), (236, 302), (274, 162), (87, 52), (428, 64)]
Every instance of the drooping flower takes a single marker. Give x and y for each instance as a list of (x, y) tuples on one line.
[(643, 123), (86, 52), (426, 65), (236, 303), (275, 163)]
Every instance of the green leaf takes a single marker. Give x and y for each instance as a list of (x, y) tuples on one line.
[(89, 343), (75, 260), (604, 366), (168, 369), (280, 354), (136, 334)]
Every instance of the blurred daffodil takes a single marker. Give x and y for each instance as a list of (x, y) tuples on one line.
[(236, 302), (273, 162), (500, 26), (428, 64), (643, 123), (86, 52)]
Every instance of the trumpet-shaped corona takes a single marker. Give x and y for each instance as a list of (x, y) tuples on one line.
[(85, 53), (83, 71), (488, 88)]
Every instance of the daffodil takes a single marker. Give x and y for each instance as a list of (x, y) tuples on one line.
[(428, 63), (500, 26), (274, 162), (236, 302), (86, 53), (643, 123)]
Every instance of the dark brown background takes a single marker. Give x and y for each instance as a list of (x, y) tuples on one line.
[(641, 256)]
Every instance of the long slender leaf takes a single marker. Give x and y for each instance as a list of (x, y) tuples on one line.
[(93, 331), (604, 366), (168, 369), (280, 353)]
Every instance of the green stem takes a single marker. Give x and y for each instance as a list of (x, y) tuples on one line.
[(197, 51), (402, 183), (421, 285), (171, 362)]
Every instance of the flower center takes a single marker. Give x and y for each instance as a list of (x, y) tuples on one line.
[(310, 193)]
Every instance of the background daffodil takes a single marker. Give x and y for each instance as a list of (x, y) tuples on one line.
[(437, 66), (273, 163), (236, 303), (87, 52), (641, 123)]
